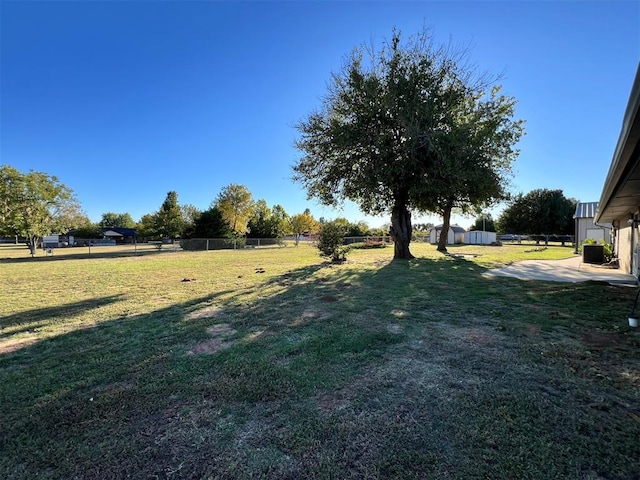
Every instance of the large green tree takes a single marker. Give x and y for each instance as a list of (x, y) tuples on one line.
[(302, 223), (236, 204), (36, 204), (116, 220), (397, 130), (169, 221), (539, 212), (210, 224), (476, 154), (484, 222)]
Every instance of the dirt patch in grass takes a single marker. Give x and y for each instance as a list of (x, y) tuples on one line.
[(11, 345), (220, 333), (598, 339), (209, 312), (329, 298)]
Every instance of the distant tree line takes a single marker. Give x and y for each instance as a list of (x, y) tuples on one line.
[(539, 212), (36, 204)]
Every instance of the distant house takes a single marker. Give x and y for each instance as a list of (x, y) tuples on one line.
[(620, 199), (586, 227), (120, 235), (454, 236)]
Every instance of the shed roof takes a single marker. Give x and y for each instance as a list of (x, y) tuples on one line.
[(119, 231), (455, 228), (586, 210)]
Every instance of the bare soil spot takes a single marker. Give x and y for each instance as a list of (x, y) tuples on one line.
[(315, 315), (11, 345), (603, 340), (329, 298), (213, 345), (220, 330), (209, 312), (209, 347), (479, 337)]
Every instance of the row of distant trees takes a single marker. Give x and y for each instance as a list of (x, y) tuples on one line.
[(232, 214), (36, 204), (541, 211)]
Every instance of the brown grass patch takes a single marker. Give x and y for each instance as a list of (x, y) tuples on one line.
[(329, 298), (11, 345), (217, 343), (209, 312), (603, 340), (209, 347)]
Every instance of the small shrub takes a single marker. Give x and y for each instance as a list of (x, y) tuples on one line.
[(331, 242)]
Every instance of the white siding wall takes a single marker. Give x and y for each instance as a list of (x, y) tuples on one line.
[(587, 229)]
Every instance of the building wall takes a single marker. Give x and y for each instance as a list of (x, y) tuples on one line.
[(587, 229), (434, 237), (625, 246)]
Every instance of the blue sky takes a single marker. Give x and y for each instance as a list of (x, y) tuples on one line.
[(127, 100)]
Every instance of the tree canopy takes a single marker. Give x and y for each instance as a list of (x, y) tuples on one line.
[(539, 212), (410, 127), (115, 220), (268, 222), (210, 224), (235, 202), (36, 204), (302, 223), (169, 221), (484, 222)]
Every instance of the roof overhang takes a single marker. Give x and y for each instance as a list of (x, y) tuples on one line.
[(621, 191)]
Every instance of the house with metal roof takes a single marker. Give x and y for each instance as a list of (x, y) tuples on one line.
[(620, 199), (120, 234), (454, 236), (586, 228)]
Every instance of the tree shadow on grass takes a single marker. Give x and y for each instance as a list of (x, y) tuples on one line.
[(38, 317), (325, 371), (80, 255)]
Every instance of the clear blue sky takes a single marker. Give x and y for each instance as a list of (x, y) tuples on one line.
[(127, 100)]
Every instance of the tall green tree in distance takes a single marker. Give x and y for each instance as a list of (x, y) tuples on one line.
[(235, 202), (484, 221), (146, 227), (169, 221), (396, 129), (302, 223), (35, 204), (116, 220), (280, 220), (210, 224), (539, 212)]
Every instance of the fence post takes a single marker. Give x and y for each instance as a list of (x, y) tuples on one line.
[(207, 245)]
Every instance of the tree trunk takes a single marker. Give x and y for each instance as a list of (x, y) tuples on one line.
[(32, 243), (444, 233), (401, 230)]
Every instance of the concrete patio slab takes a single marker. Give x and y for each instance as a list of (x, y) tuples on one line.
[(566, 270)]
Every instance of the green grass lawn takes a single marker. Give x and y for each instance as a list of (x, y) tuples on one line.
[(271, 363)]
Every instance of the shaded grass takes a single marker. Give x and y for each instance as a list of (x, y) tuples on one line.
[(370, 369)]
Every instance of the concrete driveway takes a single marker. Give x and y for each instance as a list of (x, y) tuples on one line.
[(567, 270)]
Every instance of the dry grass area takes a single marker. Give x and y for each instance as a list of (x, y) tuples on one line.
[(114, 367)]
